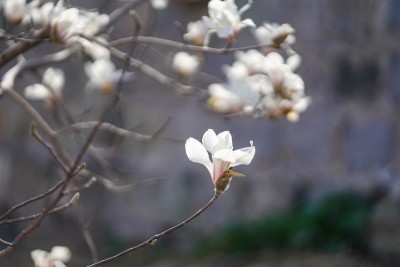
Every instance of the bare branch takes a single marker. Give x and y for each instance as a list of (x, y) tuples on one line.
[(113, 129), (186, 47), (73, 201), (33, 199), (155, 238), (19, 48), (53, 154)]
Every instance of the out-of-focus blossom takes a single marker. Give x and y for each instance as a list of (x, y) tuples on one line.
[(225, 18), (63, 26), (72, 21), (102, 74), (55, 258), (261, 85), (14, 10), (94, 49), (281, 76), (196, 32), (184, 64), (50, 89), (223, 157), (90, 23), (238, 95), (275, 34), (159, 4)]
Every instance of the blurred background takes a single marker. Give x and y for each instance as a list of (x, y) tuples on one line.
[(323, 191)]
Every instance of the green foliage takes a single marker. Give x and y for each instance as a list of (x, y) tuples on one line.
[(335, 223)]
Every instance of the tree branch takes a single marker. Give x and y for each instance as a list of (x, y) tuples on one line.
[(155, 238)]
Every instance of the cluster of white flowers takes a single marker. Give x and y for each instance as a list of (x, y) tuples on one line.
[(65, 22), (66, 26), (55, 258), (258, 83), (261, 85)]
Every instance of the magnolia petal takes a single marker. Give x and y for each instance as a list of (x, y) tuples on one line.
[(159, 4), (219, 167), (196, 152), (54, 78), (244, 156), (224, 140), (36, 91), (225, 32), (248, 23), (60, 253), (210, 140), (225, 155)]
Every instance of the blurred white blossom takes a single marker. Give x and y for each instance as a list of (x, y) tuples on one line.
[(159, 4), (196, 32), (50, 89), (238, 95), (55, 258), (275, 34), (101, 74), (72, 21), (184, 64), (223, 157), (94, 49), (225, 18), (261, 85), (14, 10)]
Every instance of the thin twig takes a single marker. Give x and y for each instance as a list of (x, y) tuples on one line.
[(114, 129), (20, 47), (34, 216), (40, 121), (155, 238), (186, 47), (5, 242), (33, 199), (53, 154), (86, 233), (110, 185)]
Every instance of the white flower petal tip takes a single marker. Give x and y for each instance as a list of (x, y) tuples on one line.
[(224, 158)]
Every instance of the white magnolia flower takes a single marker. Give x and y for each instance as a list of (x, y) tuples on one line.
[(184, 64), (56, 258), (235, 96), (252, 59), (222, 100), (14, 10), (196, 32), (63, 25), (89, 23), (280, 73), (102, 74), (225, 18), (72, 21), (275, 34), (50, 89), (159, 4), (223, 157)]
